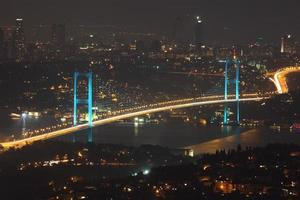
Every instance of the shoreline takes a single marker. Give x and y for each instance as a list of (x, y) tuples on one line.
[(254, 137)]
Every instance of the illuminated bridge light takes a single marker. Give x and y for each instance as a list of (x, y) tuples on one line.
[(158, 108)]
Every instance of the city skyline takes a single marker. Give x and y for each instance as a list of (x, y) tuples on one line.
[(152, 100), (230, 21)]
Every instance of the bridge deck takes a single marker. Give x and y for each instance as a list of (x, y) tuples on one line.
[(133, 112)]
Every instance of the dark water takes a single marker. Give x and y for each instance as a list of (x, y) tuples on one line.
[(173, 135), (169, 135), (13, 127), (200, 139), (253, 137)]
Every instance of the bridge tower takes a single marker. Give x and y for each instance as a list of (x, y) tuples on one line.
[(88, 102), (236, 63)]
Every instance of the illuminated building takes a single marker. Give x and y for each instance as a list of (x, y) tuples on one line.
[(19, 39), (282, 45), (287, 44), (199, 32)]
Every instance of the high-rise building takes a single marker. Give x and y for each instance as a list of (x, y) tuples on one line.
[(155, 46), (41, 33), (282, 45), (199, 32), (19, 39), (183, 31), (9, 42), (1, 44), (287, 44), (58, 35)]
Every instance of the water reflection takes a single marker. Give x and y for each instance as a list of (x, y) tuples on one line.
[(23, 118), (16, 126), (170, 135), (253, 137), (136, 129)]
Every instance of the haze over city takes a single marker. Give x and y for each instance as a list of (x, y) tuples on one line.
[(150, 100), (239, 21)]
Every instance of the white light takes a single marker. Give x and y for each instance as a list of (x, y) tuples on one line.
[(135, 174), (146, 171), (199, 19)]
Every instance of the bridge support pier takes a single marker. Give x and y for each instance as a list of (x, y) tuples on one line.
[(88, 102), (237, 90), (90, 135), (236, 64), (225, 118)]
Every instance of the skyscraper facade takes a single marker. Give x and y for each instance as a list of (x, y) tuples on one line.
[(282, 45), (58, 35), (287, 44), (198, 36), (9, 42), (1, 44), (20, 39), (183, 31)]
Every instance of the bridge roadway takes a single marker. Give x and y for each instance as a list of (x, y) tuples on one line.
[(133, 112), (279, 78)]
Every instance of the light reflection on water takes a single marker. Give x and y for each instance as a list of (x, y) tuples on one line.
[(253, 138), (170, 135), (200, 139), (16, 126), (174, 135)]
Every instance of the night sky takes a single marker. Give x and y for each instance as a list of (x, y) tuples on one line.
[(225, 20)]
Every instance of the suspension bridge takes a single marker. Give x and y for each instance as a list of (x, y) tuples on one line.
[(227, 99)]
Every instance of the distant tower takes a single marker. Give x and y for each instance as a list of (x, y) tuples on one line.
[(282, 45), (198, 35), (41, 33), (236, 64), (178, 29), (58, 35), (1, 44), (20, 39), (289, 44), (184, 31), (88, 101)]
